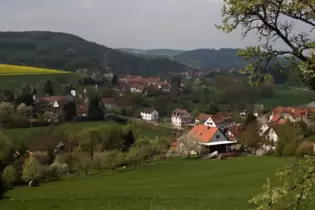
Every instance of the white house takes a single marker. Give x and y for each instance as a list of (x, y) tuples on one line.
[(268, 131), (221, 121), (149, 114), (181, 118)]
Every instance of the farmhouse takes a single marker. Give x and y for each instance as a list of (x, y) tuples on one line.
[(210, 137), (220, 120), (51, 103), (149, 114), (181, 118), (109, 103), (269, 132), (292, 114)]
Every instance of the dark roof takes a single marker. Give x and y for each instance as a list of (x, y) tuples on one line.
[(49, 99), (148, 110)]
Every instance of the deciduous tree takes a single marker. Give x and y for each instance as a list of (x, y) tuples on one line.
[(274, 20), (32, 169), (9, 176)]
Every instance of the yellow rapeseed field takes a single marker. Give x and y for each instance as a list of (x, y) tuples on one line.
[(9, 70)]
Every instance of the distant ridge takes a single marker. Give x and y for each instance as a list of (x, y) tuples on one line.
[(63, 51)]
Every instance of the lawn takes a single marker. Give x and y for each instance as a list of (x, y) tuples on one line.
[(288, 97), (172, 184)]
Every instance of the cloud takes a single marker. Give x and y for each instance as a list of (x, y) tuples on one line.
[(180, 24)]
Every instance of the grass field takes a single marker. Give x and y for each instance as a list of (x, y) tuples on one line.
[(143, 129), (288, 97), (173, 184)]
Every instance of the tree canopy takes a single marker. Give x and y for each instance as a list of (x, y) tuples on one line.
[(274, 20)]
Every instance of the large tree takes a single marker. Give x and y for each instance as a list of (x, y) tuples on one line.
[(274, 20)]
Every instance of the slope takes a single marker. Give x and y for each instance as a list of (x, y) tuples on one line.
[(70, 52)]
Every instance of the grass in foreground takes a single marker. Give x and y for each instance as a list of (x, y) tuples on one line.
[(288, 97), (173, 184)]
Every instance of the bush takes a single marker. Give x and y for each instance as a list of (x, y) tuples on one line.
[(112, 160), (305, 148), (32, 169), (9, 176)]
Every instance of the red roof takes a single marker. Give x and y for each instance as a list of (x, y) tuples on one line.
[(203, 133), (293, 111)]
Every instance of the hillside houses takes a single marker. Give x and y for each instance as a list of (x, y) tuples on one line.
[(149, 114), (293, 114), (139, 84), (221, 121), (209, 139), (181, 118)]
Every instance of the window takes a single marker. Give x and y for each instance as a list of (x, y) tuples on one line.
[(217, 136)]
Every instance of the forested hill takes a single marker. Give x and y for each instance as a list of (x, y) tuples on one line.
[(211, 58), (69, 52)]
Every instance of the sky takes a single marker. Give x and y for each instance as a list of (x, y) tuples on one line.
[(142, 24)]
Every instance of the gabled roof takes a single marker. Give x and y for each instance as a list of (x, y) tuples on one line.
[(221, 117), (147, 110), (202, 117), (50, 99), (180, 112), (203, 133)]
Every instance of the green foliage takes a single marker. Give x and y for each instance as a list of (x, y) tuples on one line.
[(262, 17), (95, 109), (89, 138), (32, 169), (290, 137), (112, 160), (9, 176), (84, 162), (195, 112), (5, 147), (295, 187)]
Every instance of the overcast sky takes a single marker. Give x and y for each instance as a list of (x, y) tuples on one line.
[(144, 24)]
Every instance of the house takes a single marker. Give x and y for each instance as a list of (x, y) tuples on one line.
[(269, 132), (293, 114), (210, 138), (220, 120), (137, 88), (82, 110), (202, 118), (50, 103), (109, 103), (234, 133), (181, 118), (149, 114)]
